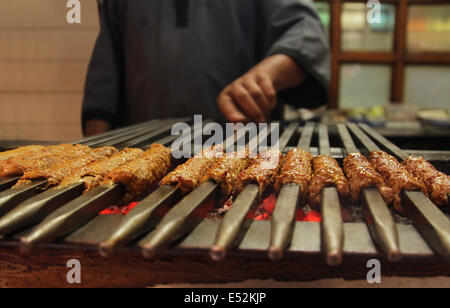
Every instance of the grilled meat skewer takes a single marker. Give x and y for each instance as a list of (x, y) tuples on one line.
[(396, 176), (263, 171), (438, 183), (20, 151), (361, 174), (188, 175), (142, 173), (226, 170), (58, 172), (296, 169), (326, 173), (42, 159), (92, 175)]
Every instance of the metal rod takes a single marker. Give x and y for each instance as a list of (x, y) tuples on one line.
[(115, 132), (138, 221), (178, 221), (283, 218), (432, 224), (385, 142), (305, 140), (365, 140), (332, 226), (427, 218), (377, 215), (71, 216), (287, 135), (324, 142), (7, 182), (11, 197), (31, 211), (37, 208), (234, 223)]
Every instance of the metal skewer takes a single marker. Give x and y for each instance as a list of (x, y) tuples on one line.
[(72, 215), (9, 199), (378, 217), (139, 220), (283, 218), (36, 208), (432, 223), (179, 221), (332, 224), (234, 224)]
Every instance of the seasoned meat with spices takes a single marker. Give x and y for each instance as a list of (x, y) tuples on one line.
[(396, 176), (43, 159), (20, 151), (296, 169), (143, 173), (326, 173), (262, 171), (57, 173), (188, 175), (93, 174), (226, 171), (361, 174), (438, 183)]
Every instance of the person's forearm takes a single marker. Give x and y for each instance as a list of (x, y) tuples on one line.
[(283, 71)]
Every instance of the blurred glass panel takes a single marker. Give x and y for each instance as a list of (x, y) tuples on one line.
[(427, 86), (359, 34), (323, 8), (429, 28), (364, 86)]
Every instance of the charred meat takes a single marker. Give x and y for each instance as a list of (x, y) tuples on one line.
[(438, 183), (361, 174), (296, 169), (396, 176), (143, 173), (43, 159), (262, 171), (327, 173), (226, 171), (188, 175)]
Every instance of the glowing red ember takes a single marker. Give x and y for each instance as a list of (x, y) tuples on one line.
[(119, 210)]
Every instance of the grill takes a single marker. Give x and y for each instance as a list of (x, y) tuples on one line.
[(338, 246)]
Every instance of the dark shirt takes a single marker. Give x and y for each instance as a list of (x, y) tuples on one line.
[(172, 58)]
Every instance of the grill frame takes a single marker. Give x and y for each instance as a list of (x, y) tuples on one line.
[(306, 246)]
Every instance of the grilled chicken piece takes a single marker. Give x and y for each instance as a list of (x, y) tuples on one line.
[(188, 175), (361, 174), (327, 173), (43, 159), (226, 171), (296, 169), (438, 183), (143, 173), (57, 173), (93, 174), (262, 171), (396, 176), (20, 151)]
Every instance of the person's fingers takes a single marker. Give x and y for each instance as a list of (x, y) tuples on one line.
[(258, 96), (268, 88), (229, 109), (245, 102)]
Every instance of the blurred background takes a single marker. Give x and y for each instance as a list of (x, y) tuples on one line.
[(394, 74)]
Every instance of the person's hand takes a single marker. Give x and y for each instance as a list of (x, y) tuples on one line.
[(96, 127), (250, 98)]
